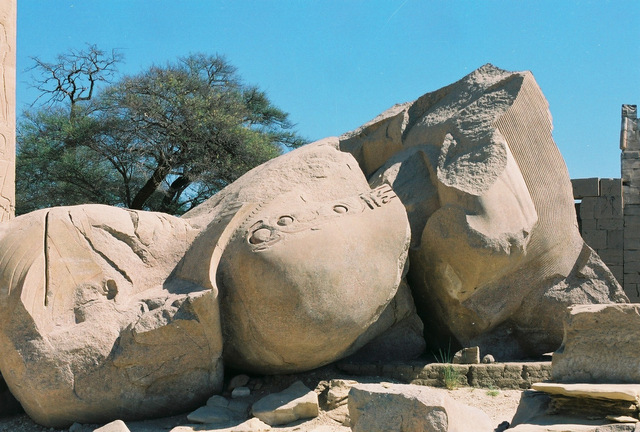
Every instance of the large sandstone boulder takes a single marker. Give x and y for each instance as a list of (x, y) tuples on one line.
[(496, 255), (601, 345), (107, 313), (401, 407), (314, 262), (91, 326), (293, 403)]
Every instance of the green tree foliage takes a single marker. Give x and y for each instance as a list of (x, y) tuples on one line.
[(165, 139)]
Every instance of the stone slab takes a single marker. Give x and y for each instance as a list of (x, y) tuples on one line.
[(586, 187), (601, 345), (389, 407), (611, 187), (620, 392)]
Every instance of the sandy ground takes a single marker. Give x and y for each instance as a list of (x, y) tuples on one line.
[(500, 405)]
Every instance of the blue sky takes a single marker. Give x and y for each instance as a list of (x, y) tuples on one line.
[(334, 65)]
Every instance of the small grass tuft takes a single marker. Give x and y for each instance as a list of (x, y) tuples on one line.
[(444, 356), (451, 377), (492, 391)]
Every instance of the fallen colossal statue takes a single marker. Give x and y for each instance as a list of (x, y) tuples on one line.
[(110, 313)]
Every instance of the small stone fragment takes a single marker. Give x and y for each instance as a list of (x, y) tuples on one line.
[(240, 407), (502, 426), (296, 402), (251, 425), (622, 419), (210, 415), (217, 400), (488, 359), (240, 392), (338, 392), (467, 356), (114, 426), (238, 381)]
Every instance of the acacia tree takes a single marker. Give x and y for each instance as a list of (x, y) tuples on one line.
[(55, 162), (165, 139)]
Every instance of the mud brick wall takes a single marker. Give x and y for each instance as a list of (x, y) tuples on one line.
[(498, 375)]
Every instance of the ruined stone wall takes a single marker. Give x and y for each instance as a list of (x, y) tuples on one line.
[(609, 210), (7, 107), (630, 146), (601, 221)]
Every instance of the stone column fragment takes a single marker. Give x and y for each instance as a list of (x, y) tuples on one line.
[(8, 18)]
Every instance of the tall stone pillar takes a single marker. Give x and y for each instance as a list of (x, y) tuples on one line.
[(630, 146), (8, 18)]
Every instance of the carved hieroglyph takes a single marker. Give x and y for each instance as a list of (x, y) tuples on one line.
[(7, 107)]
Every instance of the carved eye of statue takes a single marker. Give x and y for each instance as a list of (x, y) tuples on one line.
[(260, 236), (285, 220), (340, 209)]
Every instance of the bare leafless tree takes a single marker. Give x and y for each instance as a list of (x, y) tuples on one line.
[(74, 75)]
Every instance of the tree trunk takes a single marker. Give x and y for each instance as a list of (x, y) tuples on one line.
[(175, 189), (150, 186)]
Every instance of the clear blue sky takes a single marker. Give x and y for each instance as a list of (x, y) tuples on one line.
[(335, 64)]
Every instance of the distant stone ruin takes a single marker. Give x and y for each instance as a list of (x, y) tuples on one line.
[(609, 210)]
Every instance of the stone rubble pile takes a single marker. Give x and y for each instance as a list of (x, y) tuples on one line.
[(381, 407)]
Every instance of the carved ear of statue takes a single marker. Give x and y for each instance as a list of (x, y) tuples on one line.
[(200, 263)]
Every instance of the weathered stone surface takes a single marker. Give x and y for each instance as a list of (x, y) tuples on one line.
[(91, 326), (326, 254), (600, 345), (494, 236), (293, 403), (399, 407)]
